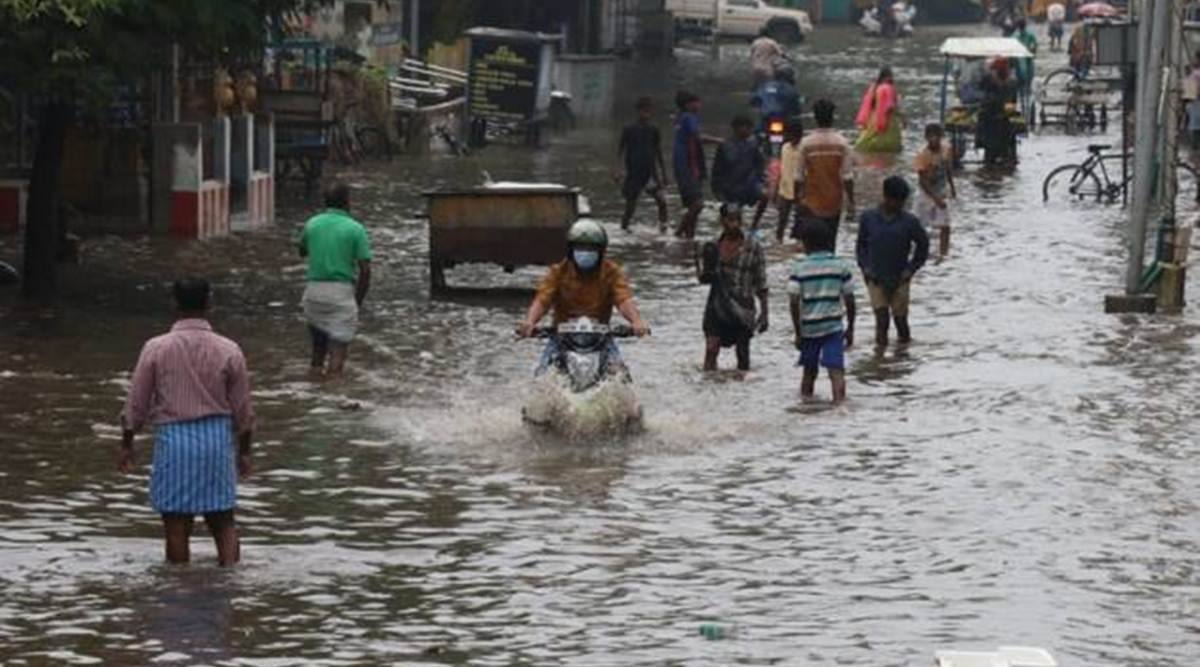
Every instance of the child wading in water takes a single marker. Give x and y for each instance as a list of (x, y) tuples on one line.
[(821, 291), (641, 148), (789, 173), (934, 165), (691, 170)]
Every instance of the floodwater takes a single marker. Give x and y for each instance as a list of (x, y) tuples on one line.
[(1024, 473)]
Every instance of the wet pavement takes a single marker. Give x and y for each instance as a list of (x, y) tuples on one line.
[(1024, 473)]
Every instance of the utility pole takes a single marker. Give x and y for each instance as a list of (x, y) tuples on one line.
[(414, 29), (1172, 278), (1171, 95), (1160, 56), (1150, 88)]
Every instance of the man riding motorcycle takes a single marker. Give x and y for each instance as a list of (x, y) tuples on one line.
[(777, 98), (585, 284), (777, 102)]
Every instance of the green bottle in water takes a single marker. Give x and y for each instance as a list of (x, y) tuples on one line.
[(717, 631)]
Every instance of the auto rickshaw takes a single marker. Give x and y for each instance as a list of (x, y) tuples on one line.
[(967, 60)]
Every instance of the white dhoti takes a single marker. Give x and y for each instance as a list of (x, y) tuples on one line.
[(930, 214), (330, 307)]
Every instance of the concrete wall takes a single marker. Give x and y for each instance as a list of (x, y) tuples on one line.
[(590, 81)]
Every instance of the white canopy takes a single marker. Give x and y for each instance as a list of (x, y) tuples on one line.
[(984, 47)]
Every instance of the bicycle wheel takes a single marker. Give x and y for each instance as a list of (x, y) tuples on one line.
[(1187, 197), (338, 151), (374, 144), (1072, 181), (1060, 77)]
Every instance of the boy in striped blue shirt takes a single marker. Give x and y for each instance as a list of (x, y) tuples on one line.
[(822, 294)]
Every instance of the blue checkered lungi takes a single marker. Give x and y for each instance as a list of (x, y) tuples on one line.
[(195, 467)]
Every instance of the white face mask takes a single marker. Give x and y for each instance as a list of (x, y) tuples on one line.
[(586, 260)]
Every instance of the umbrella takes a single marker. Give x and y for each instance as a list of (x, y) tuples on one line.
[(1099, 10)]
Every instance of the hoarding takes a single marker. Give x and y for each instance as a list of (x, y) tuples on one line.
[(503, 78)]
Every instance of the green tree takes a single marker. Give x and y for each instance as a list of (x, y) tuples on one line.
[(72, 54)]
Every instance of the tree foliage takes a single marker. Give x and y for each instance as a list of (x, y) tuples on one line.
[(71, 54), (65, 47)]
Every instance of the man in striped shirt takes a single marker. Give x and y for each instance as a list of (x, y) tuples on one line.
[(192, 386), (822, 294)]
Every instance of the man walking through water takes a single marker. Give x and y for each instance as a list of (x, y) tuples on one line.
[(735, 267), (892, 246), (641, 149), (339, 275), (765, 53), (825, 175), (1025, 66), (935, 173), (1056, 16), (739, 168), (688, 161), (192, 386)]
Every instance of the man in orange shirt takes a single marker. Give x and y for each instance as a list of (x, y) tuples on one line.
[(825, 175), (585, 284)]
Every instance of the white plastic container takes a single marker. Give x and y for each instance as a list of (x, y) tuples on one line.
[(1005, 656)]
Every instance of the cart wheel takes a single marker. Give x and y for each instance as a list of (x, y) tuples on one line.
[(960, 147)]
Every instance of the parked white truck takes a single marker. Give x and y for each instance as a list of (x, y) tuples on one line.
[(739, 18)]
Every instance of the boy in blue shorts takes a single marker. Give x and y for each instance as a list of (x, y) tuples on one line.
[(821, 291)]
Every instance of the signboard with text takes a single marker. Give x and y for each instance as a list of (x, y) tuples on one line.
[(387, 34), (503, 78)]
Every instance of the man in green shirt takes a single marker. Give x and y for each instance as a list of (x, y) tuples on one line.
[(1024, 66), (339, 275)]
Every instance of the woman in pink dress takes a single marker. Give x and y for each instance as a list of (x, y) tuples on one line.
[(878, 117)]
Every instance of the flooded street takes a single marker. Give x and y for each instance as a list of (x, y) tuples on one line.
[(1024, 473)]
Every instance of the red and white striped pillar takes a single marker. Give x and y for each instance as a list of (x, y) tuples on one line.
[(199, 206), (13, 195)]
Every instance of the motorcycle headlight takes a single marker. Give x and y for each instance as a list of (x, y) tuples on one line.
[(583, 341), (776, 127)]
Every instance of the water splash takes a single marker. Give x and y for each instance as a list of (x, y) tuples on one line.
[(610, 410)]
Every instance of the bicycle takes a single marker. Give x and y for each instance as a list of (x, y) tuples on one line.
[(1061, 78), (456, 148), (343, 142), (373, 143), (352, 142), (1072, 98), (1100, 179)]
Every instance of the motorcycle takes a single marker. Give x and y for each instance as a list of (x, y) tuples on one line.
[(772, 145), (1005, 16), (583, 391), (901, 24), (774, 108), (773, 130)]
